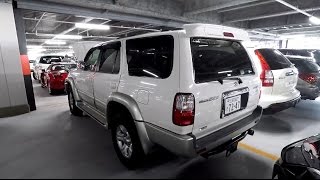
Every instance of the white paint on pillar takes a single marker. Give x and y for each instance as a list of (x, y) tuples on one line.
[(12, 87)]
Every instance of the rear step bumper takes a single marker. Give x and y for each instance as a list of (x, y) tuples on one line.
[(274, 108), (218, 141)]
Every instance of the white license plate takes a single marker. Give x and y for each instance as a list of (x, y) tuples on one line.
[(232, 104)]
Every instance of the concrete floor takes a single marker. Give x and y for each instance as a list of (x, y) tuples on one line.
[(51, 143)]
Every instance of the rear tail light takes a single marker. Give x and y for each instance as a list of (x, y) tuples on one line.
[(310, 78), (266, 75), (183, 109)]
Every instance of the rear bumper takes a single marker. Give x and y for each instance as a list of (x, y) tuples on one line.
[(57, 84), (190, 146), (309, 92), (282, 106)]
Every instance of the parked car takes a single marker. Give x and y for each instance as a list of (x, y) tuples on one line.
[(193, 91), (42, 63), (55, 75), (312, 54), (309, 77), (31, 63), (299, 160), (279, 79)]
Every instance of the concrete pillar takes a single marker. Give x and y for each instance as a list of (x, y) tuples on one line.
[(18, 16), (13, 98)]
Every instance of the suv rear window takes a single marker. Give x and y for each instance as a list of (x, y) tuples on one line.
[(150, 57), (305, 66), (275, 59), (215, 58)]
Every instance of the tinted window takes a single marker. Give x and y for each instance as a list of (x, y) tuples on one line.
[(275, 59), (305, 66), (214, 58), (50, 59), (110, 59), (295, 52), (316, 55), (150, 57), (91, 59)]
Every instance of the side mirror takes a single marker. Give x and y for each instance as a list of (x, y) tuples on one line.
[(81, 65)]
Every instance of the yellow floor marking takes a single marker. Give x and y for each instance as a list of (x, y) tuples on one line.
[(258, 151)]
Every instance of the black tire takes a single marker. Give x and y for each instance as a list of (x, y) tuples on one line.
[(34, 76), (51, 91), (137, 155), (72, 105)]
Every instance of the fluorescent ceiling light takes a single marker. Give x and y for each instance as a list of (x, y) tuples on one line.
[(92, 26), (314, 20), (68, 37), (55, 42), (33, 46), (36, 50)]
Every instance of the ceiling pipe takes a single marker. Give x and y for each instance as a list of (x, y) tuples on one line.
[(293, 7), (68, 22), (271, 15), (245, 6)]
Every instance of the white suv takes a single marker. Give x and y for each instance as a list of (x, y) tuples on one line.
[(193, 91), (279, 79)]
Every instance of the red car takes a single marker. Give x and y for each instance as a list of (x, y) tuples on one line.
[(55, 76)]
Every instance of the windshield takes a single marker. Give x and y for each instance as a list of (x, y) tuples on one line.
[(305, 66), (215, 58), (50, 59)]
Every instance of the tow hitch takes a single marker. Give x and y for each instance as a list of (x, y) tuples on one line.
[(230, 146)]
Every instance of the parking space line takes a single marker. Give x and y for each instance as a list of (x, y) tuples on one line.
[(259, 152)]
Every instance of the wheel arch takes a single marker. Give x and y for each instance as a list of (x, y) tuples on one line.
[(69, 83), (130, 105)]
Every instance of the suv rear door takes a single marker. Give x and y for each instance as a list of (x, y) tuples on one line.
[(221, 98), (284, 73)]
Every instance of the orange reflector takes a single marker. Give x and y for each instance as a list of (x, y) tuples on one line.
[(25, 65)]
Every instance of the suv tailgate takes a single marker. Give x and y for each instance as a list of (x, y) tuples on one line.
[(221, 98)]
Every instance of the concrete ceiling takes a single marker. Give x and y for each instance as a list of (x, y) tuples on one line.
[(265, 16)]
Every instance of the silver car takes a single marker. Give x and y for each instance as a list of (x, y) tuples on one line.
[(309, 77)]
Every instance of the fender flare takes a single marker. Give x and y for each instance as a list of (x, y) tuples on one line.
[(70, 82), (131, 105)]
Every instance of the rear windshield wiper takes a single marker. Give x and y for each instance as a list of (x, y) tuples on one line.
[(220, 80)]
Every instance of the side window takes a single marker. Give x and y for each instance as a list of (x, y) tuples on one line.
[(91, 59), (150, 57), (110, 59)]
